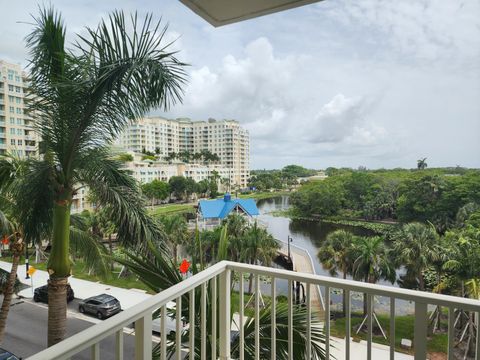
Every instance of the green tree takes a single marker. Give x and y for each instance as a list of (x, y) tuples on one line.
[(416, 248), (81, 100), (236, 225), (320, 198), (156, 190), (176, 229), (178, 186), (371, 262), (258, 247), (335, 253), (422, 164)]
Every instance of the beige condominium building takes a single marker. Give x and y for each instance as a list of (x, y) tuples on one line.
[(16, 127), (226, 138)]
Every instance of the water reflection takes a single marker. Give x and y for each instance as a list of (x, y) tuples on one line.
[(309, 235)]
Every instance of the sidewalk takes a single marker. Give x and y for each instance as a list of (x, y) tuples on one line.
[(82, 288)]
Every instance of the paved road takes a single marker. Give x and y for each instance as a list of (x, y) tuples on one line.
[(27, 331)]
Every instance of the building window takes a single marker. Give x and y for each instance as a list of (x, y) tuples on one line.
[(20, 142), (12, 131), (12, 120), (12, 142), (12, 109)]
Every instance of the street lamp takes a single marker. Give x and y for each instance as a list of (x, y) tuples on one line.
[(289, 240)]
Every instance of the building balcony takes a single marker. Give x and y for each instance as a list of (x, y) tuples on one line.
[(220, 330)]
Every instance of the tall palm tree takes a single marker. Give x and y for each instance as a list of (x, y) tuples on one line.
[(371, 262), (335, 253), (81, 99), (422, 164), (416, 247), (236, 225), (258, 247), (176, 230)]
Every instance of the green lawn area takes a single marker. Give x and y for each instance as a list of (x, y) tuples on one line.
[(170, 209), (79, 271), (403, 330)]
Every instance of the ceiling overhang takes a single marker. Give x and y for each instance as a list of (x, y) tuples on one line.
[(223, 12)]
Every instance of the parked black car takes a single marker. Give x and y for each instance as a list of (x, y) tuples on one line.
[(102, 306), (7, 355), (41, 294)]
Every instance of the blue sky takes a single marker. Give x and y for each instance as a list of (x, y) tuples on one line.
[(337, 83)]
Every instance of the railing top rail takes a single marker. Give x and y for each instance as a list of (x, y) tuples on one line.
[(95, 334), (361, 287)]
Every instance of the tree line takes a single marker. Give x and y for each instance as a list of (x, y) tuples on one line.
[(181, 188), (264, 180), (434, 195)]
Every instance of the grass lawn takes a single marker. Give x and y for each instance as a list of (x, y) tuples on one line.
[(79, 271), (170, 209), (403, 330)]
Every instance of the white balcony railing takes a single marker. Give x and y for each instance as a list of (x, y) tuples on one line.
[(141, 316)]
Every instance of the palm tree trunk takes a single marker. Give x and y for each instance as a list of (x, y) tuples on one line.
[(421, 281), (110, 247), (250, 283), (59, 270), (8, 293), (344, 305)]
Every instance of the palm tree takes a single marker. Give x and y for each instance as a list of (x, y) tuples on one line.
[(416, 247), (258, 246), (335, 253), (10, 231), (81, 100), (176, 230), (159, 274), (236, 225), (371, 262), (422, 164)]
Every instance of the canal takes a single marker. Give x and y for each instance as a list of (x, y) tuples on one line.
[(309, 235)]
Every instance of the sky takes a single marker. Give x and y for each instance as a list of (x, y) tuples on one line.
[(337, 83)]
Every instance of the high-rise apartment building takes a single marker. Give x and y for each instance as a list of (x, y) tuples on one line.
[(16, 127), (226, 138)]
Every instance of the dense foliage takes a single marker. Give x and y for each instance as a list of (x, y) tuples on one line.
[(434, 195), (278, 179)]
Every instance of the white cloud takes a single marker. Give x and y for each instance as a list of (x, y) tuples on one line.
[(338, 83)]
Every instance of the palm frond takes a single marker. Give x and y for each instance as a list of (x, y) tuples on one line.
[(115, 190), (87, 246), (5, 224)]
